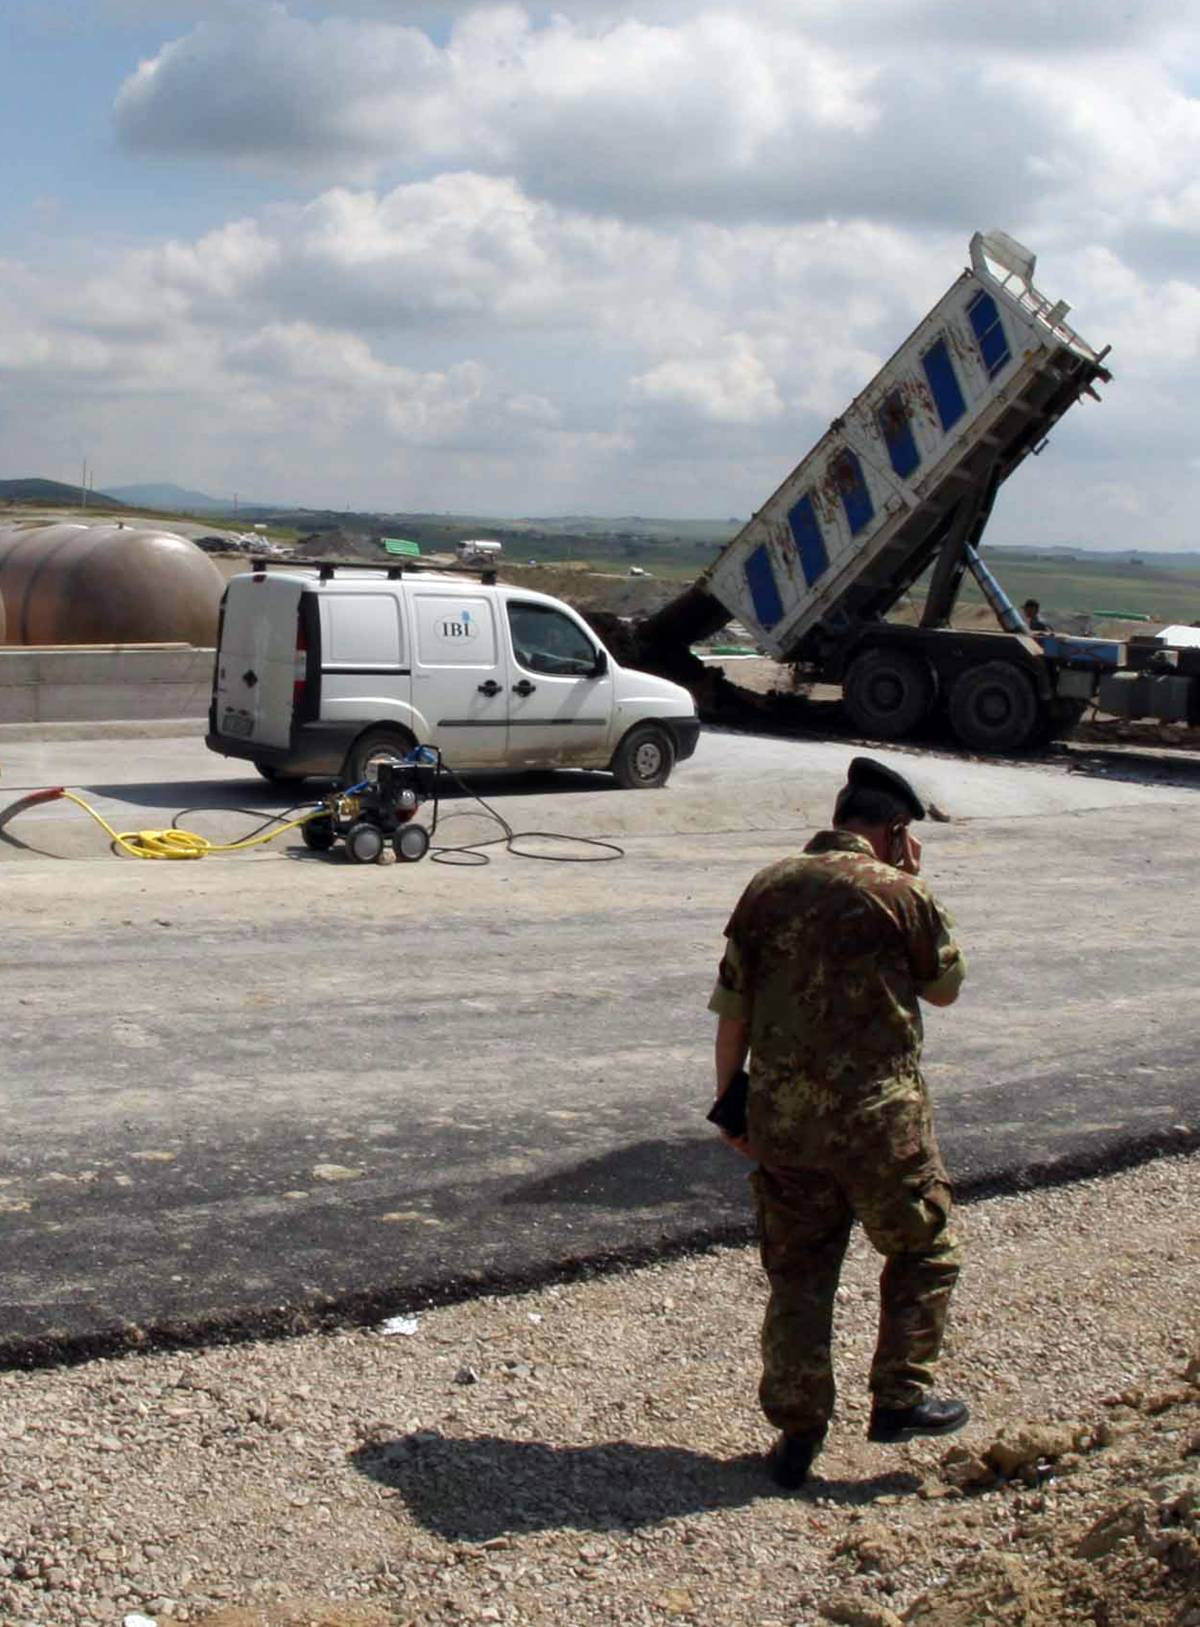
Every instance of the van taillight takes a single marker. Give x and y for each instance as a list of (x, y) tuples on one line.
[(300, 666)]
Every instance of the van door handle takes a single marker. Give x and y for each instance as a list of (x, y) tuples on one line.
[(524, 687), (490, 688)]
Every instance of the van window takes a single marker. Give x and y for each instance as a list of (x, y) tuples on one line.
[(544, 640), (362, 630), (455, 630)]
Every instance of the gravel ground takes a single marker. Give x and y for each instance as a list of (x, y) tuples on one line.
[(590, 1453)]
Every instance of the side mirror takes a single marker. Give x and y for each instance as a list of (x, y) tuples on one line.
[(601, 664)]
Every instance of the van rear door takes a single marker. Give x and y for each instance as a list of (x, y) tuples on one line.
[(261, 659)]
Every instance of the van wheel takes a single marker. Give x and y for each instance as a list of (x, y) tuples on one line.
[(277, 776), (372, 748), (644, 759)]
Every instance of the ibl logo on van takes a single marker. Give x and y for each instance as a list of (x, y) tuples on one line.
[(460, 628)]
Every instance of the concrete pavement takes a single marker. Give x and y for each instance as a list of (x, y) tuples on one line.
[(251, 1092)]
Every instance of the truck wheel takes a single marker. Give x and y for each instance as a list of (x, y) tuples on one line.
[(887, 692), (372, 748), (994, 707), (644, 759), (410, 843), (317, 834), (364, 842)]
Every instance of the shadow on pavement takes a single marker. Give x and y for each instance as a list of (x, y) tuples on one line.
[(255, 795), (484, 1487), (642, 1174)]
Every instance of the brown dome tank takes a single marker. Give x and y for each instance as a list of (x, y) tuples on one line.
[(106, 584)]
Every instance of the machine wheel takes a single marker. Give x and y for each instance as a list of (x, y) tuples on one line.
[(317, 834), (410, 843), (364, 842), (644, 759), (372, 748), (887, 692), (994, 707)]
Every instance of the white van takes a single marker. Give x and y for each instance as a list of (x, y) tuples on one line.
[(332, 669)]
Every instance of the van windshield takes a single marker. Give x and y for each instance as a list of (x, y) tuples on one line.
[(544, 640)]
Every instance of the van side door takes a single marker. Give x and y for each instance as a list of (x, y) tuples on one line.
[(365, 669), (560, 712), (460, 676)]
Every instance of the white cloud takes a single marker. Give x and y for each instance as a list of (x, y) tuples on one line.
[(870, 108), (626, 254)]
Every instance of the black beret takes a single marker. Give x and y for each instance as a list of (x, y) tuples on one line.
[(865, 774)]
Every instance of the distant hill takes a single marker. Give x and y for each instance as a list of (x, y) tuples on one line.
[(163, 494), (53, 491)]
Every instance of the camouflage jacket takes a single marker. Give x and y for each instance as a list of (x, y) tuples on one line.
[(826, 956)]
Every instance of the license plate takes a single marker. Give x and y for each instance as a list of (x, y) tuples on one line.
[(237, 723)]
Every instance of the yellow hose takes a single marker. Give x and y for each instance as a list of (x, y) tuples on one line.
[(182, 844)]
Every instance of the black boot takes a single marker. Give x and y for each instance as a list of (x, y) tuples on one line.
[(790, 1459), (933, 1416)]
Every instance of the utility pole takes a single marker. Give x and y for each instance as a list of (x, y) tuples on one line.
[(83, 486)]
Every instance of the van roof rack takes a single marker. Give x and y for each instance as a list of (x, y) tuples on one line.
[(391, 568)]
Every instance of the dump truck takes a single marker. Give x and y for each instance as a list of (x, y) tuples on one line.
[(902, 484)]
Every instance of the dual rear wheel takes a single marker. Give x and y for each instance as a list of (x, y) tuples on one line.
[(888, 693)]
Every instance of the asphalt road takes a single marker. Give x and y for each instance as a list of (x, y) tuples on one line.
[(254, 1092)]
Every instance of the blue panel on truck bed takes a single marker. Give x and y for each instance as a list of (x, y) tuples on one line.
[(989, 330), (764, 590), (943, 381), (896, 429), (856, 499), (810, 544)]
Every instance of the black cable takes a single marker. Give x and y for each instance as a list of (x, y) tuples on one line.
[(266, 820), (459, 854), (464, 853)]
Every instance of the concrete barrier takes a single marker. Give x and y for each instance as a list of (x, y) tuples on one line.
[(83, 683)]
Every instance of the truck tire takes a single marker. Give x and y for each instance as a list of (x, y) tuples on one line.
[(887, 692), (994, 707), (644, 759), (389, 745)]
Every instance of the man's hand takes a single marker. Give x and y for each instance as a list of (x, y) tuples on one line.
[(740, 1144), (908, 851)]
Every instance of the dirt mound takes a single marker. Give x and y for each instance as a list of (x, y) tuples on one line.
[(1122, 1550)]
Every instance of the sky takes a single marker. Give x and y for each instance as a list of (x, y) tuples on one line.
[(616, 257)]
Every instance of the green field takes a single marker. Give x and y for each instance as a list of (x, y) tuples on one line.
[(1097, 586)]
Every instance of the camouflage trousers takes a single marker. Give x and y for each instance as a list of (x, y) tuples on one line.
[(805, 1217)]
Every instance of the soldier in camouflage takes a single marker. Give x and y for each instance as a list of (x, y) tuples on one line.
[(828, 955)]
